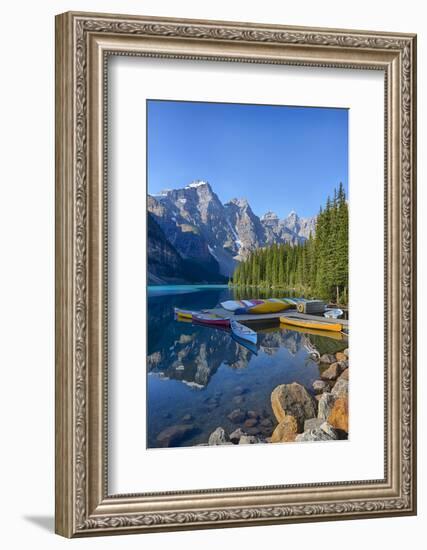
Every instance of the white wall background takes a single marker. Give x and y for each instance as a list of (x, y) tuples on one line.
[(27, 272)]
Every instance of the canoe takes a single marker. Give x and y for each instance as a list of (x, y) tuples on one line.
[(184, 313), (246, 344), (270, 305), (210, 319), (243, 332), (333, 313), (339, 336), (321, 325)]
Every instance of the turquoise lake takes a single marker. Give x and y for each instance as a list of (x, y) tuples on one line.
[(198, 375)]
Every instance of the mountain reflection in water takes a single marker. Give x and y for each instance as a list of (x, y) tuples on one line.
[(201, 374)]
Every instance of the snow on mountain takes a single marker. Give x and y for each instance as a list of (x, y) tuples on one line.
[(201, 228)]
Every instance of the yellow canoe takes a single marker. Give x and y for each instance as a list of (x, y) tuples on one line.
[(183, 313), (269, 306), (339, 336), (319, 325)]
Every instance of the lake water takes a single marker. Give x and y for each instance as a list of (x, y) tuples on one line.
[(197, 375)]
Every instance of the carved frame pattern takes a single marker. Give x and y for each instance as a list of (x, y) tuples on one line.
[(82, 510)]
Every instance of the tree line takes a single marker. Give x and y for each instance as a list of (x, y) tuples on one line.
[(317, 268)]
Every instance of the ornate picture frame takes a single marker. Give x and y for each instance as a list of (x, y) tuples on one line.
[(84, 42)]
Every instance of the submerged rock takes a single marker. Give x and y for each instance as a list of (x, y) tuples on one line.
[(187, 417), (173, 435), (237, 416), (218, 437), (293, 399), (285, 431), (266, 423), (250, 422), (240, 390)]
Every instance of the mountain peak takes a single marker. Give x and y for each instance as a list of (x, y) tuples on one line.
[(269, 216), (197, 183), (241, 203)]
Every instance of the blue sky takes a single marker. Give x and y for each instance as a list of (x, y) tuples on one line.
[(280, 158)]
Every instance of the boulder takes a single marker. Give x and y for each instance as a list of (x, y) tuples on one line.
[(249, 440), (313, 423), (218, 437), (340, 388), (328, 429), (327, 358), (285, 430), (237, 416), (320, 386), (338, 417), (293, 399), (326, 402), (340, 356), (324, 432), (344, 375), (236, 435), (333, 371), (173, 435), (346, 353)]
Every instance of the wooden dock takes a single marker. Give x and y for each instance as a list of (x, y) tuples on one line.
[(274, 318)]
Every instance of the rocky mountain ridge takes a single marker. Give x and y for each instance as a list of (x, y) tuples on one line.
[(216, 236)]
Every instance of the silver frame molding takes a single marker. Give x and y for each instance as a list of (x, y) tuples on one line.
[(83, 43)]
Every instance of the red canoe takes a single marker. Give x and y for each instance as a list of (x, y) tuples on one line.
[(210, 319)]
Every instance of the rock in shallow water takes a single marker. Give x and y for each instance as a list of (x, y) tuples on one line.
[(250, 422), (174, 434), (237, 416), (293, 399), (218, 437)]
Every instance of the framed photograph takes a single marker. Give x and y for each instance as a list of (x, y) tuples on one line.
[(235, 274)]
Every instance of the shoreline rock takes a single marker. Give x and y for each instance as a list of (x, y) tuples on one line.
[(285, 431), (294, 400), (219, 437)]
